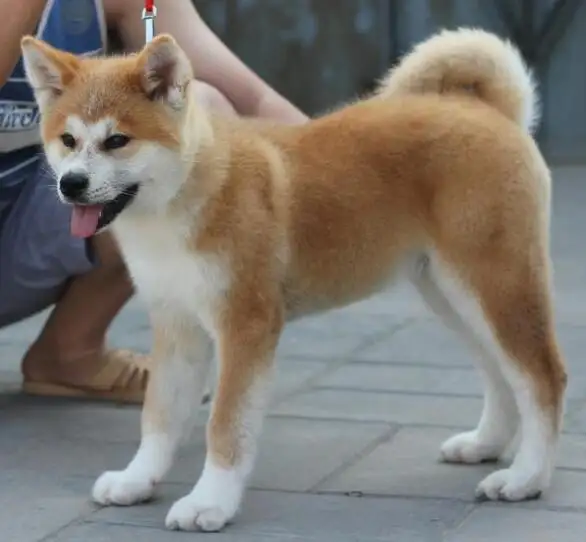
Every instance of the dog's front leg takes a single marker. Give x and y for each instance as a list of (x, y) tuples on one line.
[(247, 339), (182, 353)]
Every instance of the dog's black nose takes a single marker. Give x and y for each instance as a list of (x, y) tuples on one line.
[(74, 185)]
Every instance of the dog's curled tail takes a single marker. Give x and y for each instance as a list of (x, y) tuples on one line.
[(472, 61)]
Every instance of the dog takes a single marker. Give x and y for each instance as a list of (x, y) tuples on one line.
[(233, 227)]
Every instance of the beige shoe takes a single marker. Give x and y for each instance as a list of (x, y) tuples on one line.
[(122, 378)]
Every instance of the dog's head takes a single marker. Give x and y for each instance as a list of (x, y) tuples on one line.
[(111, 127)]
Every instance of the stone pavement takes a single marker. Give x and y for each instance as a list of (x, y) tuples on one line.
[(364, 398)]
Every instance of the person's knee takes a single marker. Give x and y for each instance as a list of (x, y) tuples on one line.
[(213, 99)]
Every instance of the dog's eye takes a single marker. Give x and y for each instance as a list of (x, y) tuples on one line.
[(116, 141), (68, 140)]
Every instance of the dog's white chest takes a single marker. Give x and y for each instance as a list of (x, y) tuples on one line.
[(169, 276)]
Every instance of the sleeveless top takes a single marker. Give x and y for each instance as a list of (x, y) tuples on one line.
[(76, 26)]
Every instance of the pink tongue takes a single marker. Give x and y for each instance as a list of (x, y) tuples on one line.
[(84, 220)]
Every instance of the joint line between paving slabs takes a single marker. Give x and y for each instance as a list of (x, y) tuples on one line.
[(416, 364), (387, 436), (450, 531), (80, 520), (379, 421)]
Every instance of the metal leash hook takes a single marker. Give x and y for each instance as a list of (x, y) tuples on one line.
[(148, 16)]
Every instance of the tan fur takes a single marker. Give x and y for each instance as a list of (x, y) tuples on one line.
[(353, 209), (467, 61), (436, 167)]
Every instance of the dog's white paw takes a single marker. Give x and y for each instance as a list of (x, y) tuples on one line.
[(214, 501), (468, 448), (194, 512), (511, 485), (121, 488)]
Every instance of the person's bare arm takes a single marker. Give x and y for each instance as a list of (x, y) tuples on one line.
[(18, 18), (213, 62)]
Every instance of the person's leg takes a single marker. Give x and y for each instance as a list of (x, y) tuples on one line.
[(42, 265), (70, 350)]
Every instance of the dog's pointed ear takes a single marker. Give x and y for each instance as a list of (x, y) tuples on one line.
[(47, 69), (165, 71)]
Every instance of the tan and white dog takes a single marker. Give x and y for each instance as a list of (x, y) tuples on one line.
[(232, 227)]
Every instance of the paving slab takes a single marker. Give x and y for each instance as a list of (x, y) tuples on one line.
[(408, 465), (295, 455), (400, 408), (57, 419), (291, 375), (572, 452), (425, 371), (315, 518), (92, 532), (401, 301), (33, 505), (566, 492), (337, 334), (492, 524), (575, 417), (404, 378), (425, 342)]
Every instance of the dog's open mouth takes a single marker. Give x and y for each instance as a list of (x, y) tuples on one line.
[(87, 220)]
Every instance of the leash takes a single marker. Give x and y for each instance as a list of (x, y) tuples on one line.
[(148, 16)]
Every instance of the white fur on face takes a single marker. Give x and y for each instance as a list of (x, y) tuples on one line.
[(108, 172)]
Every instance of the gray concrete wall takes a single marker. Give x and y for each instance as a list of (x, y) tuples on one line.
[(563, 90), (317, 52), (320, 53)]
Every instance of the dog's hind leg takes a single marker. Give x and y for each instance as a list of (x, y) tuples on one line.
[(182, 354), (504, 297), (500, 418)]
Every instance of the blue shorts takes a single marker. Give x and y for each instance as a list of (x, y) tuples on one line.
[(38, 255)]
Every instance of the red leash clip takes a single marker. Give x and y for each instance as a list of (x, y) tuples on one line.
[(148, 16)]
